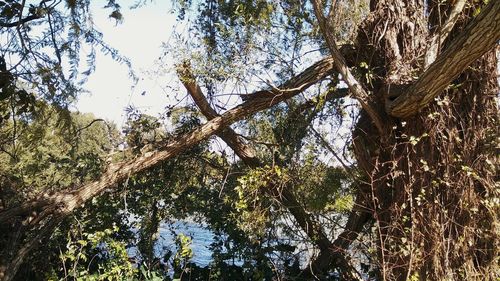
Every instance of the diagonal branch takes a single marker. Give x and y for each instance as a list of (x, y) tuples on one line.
[(437, 40), (478, 37), (236, 142), (358, 92), (334, 153), (120, 171), (65, 202), (286, 197), (311, 227)]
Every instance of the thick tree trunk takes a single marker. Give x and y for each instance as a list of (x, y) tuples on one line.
[(480, 36), (432, 175)]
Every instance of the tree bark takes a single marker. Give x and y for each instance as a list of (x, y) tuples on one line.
[(428, 175), (480, 36), (366, 101)]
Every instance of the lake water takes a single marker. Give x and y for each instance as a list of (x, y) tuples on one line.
[(201, 238)]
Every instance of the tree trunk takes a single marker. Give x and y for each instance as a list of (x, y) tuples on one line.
[(479, 35), (432, 175)]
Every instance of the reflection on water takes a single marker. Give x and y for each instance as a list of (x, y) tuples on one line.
[(201, 238), (283, 253)]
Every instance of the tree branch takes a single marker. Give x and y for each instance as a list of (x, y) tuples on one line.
[(65, 202), (8, 272), (20, 21), (233, 140), (478, 37), (355, 223), (334, 153), (284, 195), (441, 35), (340, 65)]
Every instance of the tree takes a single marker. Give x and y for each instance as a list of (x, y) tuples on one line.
[(424, 74)]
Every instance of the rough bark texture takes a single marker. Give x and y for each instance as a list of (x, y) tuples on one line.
[(430, 177), (440, 36), (480, 36)]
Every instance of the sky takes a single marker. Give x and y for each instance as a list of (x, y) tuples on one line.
[(139, 38)]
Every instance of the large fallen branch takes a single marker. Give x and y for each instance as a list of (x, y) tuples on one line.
[(478, 37), (328, 251), (63, 203)]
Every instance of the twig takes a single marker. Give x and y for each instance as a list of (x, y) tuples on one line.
[(332, 151)]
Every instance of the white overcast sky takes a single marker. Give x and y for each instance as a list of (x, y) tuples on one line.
[(139, 37)]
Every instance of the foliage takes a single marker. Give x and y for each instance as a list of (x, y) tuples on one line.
[(252, 210), (184, 253), (319, 191), (42, 154), (111, 257)]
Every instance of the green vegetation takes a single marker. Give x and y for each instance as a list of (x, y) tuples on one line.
[(342, 161)]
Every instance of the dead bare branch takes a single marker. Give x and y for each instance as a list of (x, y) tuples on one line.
[(357, 90), (443, 32)]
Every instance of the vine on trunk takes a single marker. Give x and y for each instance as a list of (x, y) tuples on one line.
[(433, 176)]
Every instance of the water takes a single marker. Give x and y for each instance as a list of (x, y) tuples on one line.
[(201, 238)]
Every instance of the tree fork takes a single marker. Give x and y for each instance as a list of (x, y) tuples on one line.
[(478, 37), (402, 170)]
